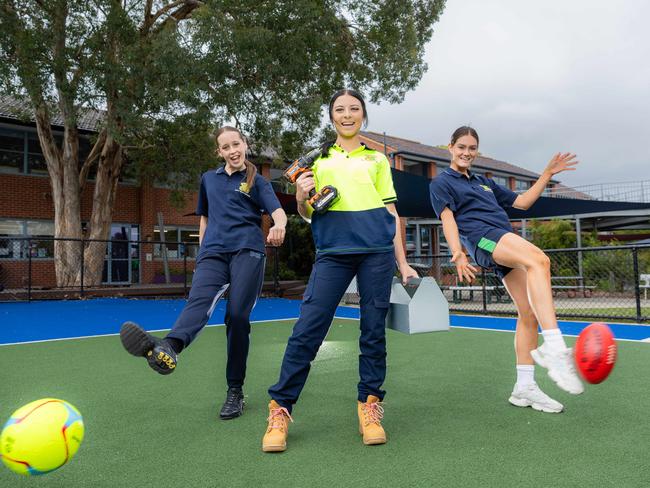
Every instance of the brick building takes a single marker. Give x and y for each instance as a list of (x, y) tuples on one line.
[(26, 208)]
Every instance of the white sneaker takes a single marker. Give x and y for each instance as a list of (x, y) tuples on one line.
[(560, 367), (531, 396)]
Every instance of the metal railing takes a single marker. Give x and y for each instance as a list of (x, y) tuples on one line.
[(595, 283), (130, 268), (626, 191)]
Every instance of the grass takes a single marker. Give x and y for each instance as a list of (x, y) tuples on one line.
[(447, 416), (593, 313)]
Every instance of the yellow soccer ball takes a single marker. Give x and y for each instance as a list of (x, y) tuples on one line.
[(41, 436)]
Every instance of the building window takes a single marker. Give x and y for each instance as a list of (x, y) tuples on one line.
[(415, 168), (20, 152), (501, 180), (14, 246), (12, 149), (521, 185), (180, 242)]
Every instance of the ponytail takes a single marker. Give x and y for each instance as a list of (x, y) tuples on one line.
[(251, 172)]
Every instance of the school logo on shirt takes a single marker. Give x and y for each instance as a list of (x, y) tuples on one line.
[(243, 187), (371, 157), (486, 188)]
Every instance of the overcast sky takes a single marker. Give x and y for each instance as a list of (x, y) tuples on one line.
[(535, 78)]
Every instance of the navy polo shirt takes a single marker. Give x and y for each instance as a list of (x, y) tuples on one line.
[(234, 211), (477, 203)]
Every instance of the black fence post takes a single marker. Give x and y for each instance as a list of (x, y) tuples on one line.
[(83, 265), (637, 290), (276, 272), (184, 270), (29, 270), (484, 290)]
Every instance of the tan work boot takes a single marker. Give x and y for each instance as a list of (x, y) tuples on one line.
[(275, 438), (370, 415)]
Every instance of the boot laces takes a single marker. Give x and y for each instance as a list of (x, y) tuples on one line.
[(373, 412), (277, 418), (233, 398)]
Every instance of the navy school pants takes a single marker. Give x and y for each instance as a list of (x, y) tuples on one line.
[(329, 279), (242, 273)]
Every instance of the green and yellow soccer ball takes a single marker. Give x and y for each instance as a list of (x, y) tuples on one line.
[(41, 436)]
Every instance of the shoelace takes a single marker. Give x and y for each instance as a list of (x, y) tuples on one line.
[(276, 418), (232, 399), (373, 412)]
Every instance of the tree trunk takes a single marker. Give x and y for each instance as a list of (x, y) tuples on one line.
[(108, 172), (64, 182)]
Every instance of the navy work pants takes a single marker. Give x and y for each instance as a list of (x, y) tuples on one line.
[(329, 279), (243, 273)]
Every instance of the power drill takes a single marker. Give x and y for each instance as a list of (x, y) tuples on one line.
[(327, 196)]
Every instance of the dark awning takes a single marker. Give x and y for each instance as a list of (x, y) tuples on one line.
[(413, 201)]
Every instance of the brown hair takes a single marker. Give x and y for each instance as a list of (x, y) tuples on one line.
[(463, 131), (251, 169)]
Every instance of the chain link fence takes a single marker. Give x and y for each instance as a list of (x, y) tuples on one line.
[(597, 283), (119, 268)]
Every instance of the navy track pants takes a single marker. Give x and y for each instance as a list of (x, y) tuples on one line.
[(242, 273)]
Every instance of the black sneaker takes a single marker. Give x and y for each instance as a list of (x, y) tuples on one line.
[(233, 407), (138, 342)]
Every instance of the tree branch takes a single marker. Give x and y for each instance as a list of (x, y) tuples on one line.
[(94, 154), (181, 13), (185, 9)]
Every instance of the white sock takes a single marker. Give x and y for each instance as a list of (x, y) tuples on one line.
[(554, 340), (525, 375)]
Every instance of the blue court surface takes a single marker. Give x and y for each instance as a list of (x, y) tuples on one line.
[(23, 322)]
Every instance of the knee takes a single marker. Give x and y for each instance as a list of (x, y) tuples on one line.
[(302, 347), (540, 261), (239, 320), (527, 317)]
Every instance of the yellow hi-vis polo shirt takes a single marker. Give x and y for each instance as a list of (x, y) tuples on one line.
[(359, 221)]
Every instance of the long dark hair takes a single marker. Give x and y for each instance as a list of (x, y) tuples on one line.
[(344, 91), (465, 130), (251, 169)]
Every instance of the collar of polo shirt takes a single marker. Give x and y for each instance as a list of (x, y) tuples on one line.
[(358, 150), (456, 174), (222, 170)]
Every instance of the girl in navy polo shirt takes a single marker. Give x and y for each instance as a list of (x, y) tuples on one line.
[(356, 236), (231, 201), (471, 208)]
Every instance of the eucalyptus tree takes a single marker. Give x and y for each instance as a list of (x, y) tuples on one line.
[(162, 73)]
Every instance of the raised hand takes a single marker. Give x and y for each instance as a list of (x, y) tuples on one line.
[(561, 162), (466, 272)]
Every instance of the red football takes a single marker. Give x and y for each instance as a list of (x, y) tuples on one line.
[(595, 352)]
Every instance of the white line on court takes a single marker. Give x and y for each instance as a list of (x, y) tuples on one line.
[(647, 340)]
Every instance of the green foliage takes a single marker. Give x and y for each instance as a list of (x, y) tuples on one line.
[(298, 250), (166, 71), (556, 234)]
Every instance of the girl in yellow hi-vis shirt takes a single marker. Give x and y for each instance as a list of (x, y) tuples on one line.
[(356, 236)]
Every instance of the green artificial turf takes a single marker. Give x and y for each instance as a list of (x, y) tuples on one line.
[(446, 415)]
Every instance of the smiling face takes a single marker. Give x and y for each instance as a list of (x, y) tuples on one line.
[(347, 116), (463, 153), (232, 148)]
